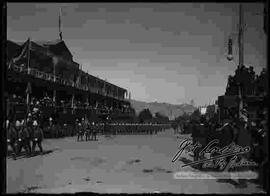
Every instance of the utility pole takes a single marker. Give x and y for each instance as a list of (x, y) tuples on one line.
[(60, 24), (241, 36), (241, 54)]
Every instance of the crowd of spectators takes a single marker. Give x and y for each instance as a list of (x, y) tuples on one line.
[(46, 101), (17, 99), (250, 83)]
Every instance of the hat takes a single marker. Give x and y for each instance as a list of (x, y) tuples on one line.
[(253, 123), (18, 123), (35, 123), (50, 119), (7, 123), (243, 119)]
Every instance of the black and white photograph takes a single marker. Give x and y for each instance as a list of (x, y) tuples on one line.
[(135, 97)]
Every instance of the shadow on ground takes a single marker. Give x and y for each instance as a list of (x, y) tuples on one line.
[(33, 154)]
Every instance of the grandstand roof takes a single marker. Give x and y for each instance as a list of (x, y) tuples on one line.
[(56, 47)]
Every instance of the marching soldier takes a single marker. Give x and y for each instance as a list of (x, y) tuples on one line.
[(94, 131), (11, 138), (49, 129), (65, 130), (23, 139), (37, 137), (150, 127), (88, 131), (30, 133), (80, 132), (156, 129)]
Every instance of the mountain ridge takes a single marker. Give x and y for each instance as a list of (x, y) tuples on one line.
[(168, 109)]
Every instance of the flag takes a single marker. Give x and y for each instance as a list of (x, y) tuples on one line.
[(60, 24), (24, 52), (78, 79), (243, 115), (230, 44), (28, 88)]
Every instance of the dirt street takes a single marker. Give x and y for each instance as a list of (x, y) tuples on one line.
[(116, 164)]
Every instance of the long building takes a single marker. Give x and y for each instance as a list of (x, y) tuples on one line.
[(46, 68)]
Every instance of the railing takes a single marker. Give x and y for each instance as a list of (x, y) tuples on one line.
[(50, 77)]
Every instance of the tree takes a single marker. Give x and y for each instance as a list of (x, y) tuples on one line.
[(145, 115), (161, 118), (195, 115)]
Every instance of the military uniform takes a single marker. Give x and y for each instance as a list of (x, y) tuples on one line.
[(80, 132), (23, 140), (11, 139), (37, 138), (94, 131), (88, 132)]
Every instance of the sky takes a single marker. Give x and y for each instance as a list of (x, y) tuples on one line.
[(164, 52)]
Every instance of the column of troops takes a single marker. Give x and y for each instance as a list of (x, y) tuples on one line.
[(21, 134), (89, 130), (26, 134)]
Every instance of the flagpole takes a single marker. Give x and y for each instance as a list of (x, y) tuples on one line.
[(28, 57), (28, 72), (241, 36), (60, 24)]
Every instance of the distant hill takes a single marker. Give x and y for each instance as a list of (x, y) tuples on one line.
[(167, 109)]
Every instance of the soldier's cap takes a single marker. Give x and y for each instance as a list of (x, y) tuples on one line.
[(253, 123), (50, 119), (79, 124), (35, 123), (17, 123)]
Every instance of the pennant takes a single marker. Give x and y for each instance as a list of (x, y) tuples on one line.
[(28, 89), (243, 115), (60, 24), (25, 49)]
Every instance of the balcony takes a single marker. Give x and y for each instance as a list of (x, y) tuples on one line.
[(50, 77)]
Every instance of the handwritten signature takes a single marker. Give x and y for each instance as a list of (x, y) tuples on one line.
[(218, 156)]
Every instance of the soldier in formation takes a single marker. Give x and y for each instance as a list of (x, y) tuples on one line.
[(37, 137), (11, 137), (88, 132), (95, 129), (23, 140), (80, 132)]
